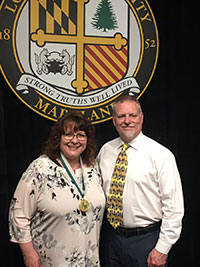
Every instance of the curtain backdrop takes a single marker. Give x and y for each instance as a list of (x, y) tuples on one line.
[(170, 117)]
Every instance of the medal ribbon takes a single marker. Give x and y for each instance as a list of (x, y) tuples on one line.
[(72, 178)]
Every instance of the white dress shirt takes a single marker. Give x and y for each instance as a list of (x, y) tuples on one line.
[(152, 190)]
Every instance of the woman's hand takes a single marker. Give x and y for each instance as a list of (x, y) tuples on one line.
[(31, 257)]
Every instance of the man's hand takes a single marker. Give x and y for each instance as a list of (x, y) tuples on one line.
[(156, 259)]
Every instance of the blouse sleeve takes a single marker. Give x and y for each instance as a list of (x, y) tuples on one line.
[(23, 206), (98, 174)]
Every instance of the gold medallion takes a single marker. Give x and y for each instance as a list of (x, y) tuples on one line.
[(84, 205)]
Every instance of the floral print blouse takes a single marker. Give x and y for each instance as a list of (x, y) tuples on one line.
[(45, 210)]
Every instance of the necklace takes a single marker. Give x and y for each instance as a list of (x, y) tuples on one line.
[(84, 204)]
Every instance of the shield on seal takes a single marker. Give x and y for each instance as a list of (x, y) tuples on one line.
[(52, 59), (79, 45), (106, 64)]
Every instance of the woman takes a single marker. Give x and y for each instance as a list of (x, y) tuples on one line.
[(58, 205)]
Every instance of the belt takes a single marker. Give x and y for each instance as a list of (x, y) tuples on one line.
[(127, 232)]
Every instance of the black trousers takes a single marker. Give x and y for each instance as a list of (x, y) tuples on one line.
[(120, 251)]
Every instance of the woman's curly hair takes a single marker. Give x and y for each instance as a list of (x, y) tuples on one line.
[(81, 123)]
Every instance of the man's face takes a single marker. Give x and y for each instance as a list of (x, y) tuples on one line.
[(127, 120)]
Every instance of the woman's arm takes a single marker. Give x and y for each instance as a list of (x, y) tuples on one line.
[(31, 257)]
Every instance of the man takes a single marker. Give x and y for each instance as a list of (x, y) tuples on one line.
[(141, 232)]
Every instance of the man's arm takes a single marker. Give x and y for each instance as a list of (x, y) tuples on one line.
[(172, 209)]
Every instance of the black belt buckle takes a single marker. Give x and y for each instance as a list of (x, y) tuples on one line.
[(131, 232), (126, 232)]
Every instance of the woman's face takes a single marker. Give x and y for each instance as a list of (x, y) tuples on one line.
[(72, 143)]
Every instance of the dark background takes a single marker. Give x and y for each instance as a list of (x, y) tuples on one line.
[(170, 106)]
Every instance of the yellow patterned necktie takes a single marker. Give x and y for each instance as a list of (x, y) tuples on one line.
[(115, 208)]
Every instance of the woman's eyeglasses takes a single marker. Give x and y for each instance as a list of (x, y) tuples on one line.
[(80, 136)]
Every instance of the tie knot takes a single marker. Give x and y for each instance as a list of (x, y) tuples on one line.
[(125, 147)]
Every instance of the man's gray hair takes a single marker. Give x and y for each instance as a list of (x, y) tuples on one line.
[(124, 98)]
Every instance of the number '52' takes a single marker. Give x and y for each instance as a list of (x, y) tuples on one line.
[(150, 43)]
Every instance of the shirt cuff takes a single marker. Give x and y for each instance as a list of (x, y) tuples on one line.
[(163, 247)]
